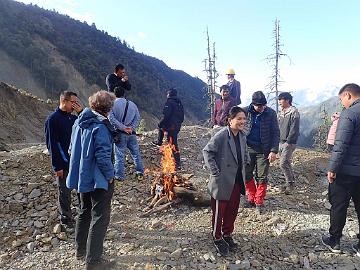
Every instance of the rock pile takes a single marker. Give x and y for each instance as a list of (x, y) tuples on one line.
[(285, 237)]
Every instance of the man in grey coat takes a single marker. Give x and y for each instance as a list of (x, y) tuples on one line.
[(289, 123), (344, 168)]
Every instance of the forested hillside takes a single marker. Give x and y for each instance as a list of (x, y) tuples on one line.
[(55, 48)]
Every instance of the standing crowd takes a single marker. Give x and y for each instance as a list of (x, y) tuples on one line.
[(88, 155)]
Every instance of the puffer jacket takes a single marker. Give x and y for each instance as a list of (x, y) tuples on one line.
[(332, 131), (269, 129), (345, 156), (90, 159)]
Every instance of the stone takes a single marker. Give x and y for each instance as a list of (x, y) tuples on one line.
[(30, 246), (16, 243), (245, 264), (176, 254), (34, 193), (255, 263), (62, 236), (327, 205), (38, 224), (57, 229)]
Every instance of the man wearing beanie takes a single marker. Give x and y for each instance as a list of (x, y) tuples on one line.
[(263, 138)]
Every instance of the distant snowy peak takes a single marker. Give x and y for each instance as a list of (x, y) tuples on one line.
[(311, 96)]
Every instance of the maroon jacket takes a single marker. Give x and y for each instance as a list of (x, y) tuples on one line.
[(221, 111)]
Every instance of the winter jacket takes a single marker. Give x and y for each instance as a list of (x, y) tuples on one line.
[(289, 124), (58, 128), (113, 81), (221, 111), (269, 128), (173, 114), (235, 91), (220, 157), (345, 156), (91, 149), (332, 131)]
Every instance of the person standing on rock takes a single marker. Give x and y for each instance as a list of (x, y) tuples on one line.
[(234, 86), (91, 174), (226, 155), (125, 117), (222, 107), (263, 137), (344, 168), (289, 124), (171, 123), (58, 127), (118, 78)]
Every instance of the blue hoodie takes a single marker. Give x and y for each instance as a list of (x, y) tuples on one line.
[(90, 159)]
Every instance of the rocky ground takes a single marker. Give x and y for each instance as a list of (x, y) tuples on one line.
[(285, 237)]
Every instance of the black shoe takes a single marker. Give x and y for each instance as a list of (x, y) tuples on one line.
[(248, 204), (356, 248), (222, 247), (103, 264), (259, 209), (332, 244), (155, 143), (232, 245), (81, 256)]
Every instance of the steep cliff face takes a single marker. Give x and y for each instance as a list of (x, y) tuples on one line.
[(22, 116)]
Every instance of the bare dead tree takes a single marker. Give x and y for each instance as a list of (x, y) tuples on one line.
[(211, 73), (273, 59)]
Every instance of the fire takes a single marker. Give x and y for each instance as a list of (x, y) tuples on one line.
[(168, 169)]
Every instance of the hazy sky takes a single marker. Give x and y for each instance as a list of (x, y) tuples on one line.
[(321, 37)]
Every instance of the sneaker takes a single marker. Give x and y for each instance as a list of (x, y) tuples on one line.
[(155, 143), (103, 264), (289, 189), (331, 244), (68, 227), (222, 247), (232, 245), (259, 209), (356, 248), (249, 204), (139, 176)]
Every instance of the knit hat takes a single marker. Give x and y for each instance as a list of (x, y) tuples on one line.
[(258, 98)]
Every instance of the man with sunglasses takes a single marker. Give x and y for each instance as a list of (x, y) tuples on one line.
[(263, 136), (58, 127)]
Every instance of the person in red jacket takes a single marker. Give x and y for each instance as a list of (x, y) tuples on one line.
[(223, 106)]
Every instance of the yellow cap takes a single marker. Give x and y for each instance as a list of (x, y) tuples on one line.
[(230, 71)]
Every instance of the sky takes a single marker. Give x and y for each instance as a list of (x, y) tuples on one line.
[(319, 37)]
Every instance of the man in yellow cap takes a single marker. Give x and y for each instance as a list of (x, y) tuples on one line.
[(234, 86)]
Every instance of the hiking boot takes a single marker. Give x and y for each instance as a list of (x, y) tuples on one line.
[(356, 248), (222, 247), (230, 241), (249, 204), (259, 209), (332, 244), (289, 189), (102, 264), (139, 176)]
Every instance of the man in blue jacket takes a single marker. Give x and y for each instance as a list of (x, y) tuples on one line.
[(344, 168), (57, 134), (91, 173), (263, 136)]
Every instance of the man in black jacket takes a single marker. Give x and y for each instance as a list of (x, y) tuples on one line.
[(344, 168), (58, 127), (262, 132), (118, 78), (171, 123)]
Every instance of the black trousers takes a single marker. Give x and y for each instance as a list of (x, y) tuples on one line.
[(344, 188), (173, 135), (64, 199), (92, 223)]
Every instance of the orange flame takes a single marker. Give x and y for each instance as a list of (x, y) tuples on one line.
[(168, 168)]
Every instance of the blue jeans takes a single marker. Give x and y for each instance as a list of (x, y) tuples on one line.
[(130, 142)]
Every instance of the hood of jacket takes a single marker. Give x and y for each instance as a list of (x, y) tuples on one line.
[(87, 118)]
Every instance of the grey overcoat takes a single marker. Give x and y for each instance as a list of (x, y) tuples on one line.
[(221, 158)]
